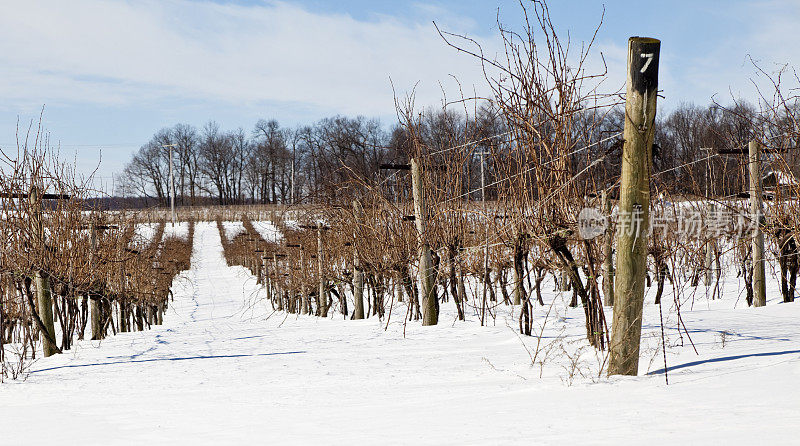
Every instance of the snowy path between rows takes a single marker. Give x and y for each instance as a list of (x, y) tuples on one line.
[(224, 369)]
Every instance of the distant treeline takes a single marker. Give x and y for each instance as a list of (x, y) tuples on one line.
[(274, 164)]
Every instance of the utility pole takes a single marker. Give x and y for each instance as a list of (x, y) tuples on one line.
[(756, 210), (634, 204), (294, 155), (430, 315), (171, 182)]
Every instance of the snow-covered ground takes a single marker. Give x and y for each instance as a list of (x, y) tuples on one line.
[(145, 232), (232, 229), (225, 369), (179, 230), (268, 231)]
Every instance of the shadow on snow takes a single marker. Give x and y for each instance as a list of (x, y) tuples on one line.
[(164, 359), (723, 359)]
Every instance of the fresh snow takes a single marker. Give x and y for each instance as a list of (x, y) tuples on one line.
[(179, 230), (225, 369), (268, 231), (232, 229), (144, 232)]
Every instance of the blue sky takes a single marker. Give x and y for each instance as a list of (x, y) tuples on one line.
[(111, 73)]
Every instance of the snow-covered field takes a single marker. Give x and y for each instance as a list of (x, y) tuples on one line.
[(225, 369), (145, 232), (267, 230), (232, 229), (179, 230)]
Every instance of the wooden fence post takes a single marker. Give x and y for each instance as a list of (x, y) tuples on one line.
[(275, 273), (267, 280), (323, 287), (304, 304), (608, 252), (709, 258), (634, 205), (430, 315), (516, 275), (756, 210), (42, 281), (94, 300), (358, 274)]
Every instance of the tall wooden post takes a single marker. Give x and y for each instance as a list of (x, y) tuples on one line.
[(517, 275), (276, 274), (430, 315), (608, 252), (45, 304), (484, 277), (634, 205), (44, 300), (305, 307), (358, 274), (709, 259), (710, 212), (291, 300), (756, 211), (95, 312), (122, 278), (323, 286), (265, 271)]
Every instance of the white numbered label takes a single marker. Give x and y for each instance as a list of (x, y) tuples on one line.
[(649, 57)]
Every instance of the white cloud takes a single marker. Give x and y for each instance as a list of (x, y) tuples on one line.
[(128, 53), (120, 53), (763, 30)]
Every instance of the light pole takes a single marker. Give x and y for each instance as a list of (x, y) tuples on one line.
[(171, 182), (294, 155), (710, 208)]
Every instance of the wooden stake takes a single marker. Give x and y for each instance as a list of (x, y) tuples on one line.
[(304, 304), (44, 300), (756, 210), (430, 315), (709, 260), (267, 280), (710, 212), (634, 205), (94, 300), (485, 243), (608, 252), (323, 288), (358, 274), (278, 291)]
